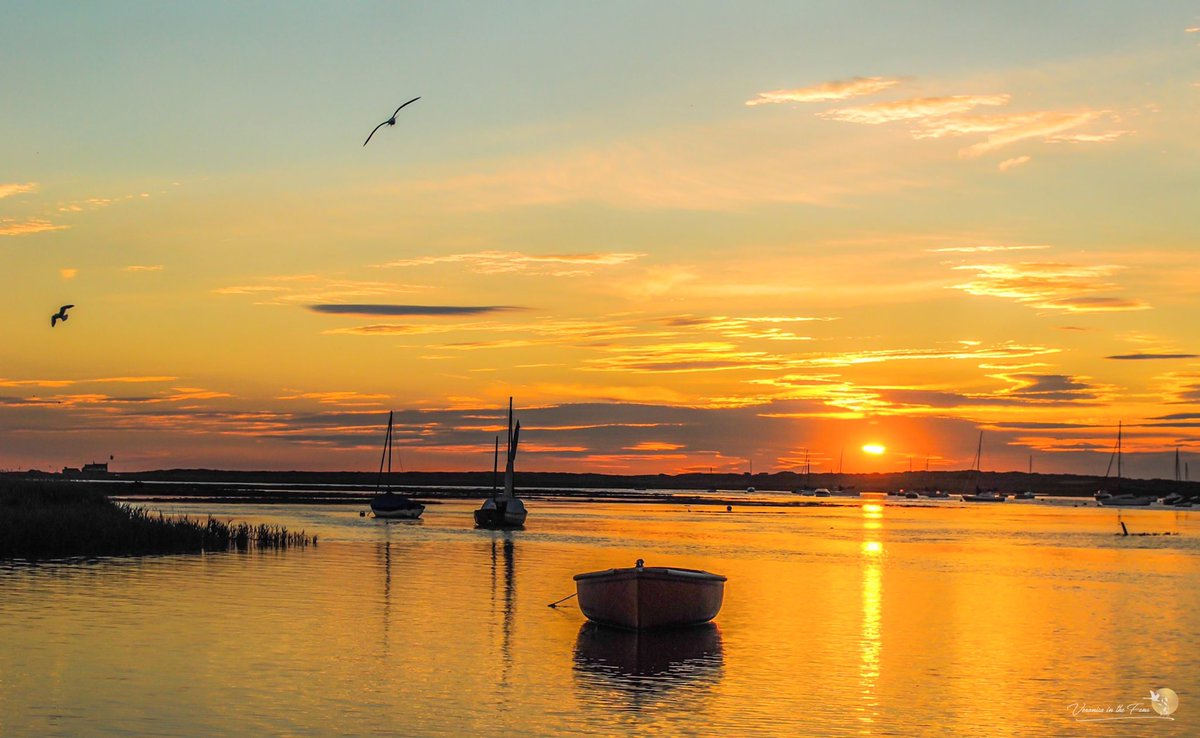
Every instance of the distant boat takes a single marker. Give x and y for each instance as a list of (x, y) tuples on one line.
[(385, 503), (822, 492), (981, 495), (807, 489), (504, 509), (985, 495), (1026, 495), (911, 495), (1119, 498), (643, 597)]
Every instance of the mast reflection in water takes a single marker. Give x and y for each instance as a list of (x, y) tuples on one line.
[(507, 547)]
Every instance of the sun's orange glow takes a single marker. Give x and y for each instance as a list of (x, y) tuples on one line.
[(874, 448)]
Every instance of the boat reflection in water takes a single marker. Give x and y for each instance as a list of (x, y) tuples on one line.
[(642, 664)]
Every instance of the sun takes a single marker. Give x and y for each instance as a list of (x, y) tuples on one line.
[(874, 448)]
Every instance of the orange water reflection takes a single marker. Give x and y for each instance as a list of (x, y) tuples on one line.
[(843, 618)]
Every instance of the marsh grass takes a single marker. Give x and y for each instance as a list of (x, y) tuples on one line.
[(50, 520)]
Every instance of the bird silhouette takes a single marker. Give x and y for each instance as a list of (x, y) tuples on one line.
[(390, 121), (60, 315)]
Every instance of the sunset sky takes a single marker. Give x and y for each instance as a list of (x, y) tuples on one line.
[(681, 235)]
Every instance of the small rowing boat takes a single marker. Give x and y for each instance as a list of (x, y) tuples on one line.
[(644, 597)]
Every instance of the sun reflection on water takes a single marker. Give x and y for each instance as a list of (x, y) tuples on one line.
[(870, 638)]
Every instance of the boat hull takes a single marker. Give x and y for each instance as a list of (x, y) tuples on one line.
[(1126, 501), (983, 498), (396, 506), (645, 598), (399, 514), (501, 513)]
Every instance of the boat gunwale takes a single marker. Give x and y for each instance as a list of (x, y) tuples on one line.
[(653, 572)]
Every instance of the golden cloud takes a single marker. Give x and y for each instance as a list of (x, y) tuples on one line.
[(1008, 164), (507, 262), (13, 188), (10, 227), (827, 91), (1050, 285), (912, 109)]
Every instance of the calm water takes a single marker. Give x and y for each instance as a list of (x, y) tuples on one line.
[(843, 619)]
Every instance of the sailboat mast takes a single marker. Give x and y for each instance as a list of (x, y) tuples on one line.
[(387, 453), (512, 451), (496, 467), (1119, 454)]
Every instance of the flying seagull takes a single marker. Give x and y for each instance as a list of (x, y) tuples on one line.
[(60, 315), (390, 121)]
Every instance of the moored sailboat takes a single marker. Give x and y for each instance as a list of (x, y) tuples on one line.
[(385, 503), (981, 495), (1119, 498), (504, 509)]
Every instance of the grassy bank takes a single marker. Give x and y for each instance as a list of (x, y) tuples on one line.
[(50, 520)]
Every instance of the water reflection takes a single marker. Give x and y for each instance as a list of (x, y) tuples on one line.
[(503, 540), (646, 664), (870, 638)]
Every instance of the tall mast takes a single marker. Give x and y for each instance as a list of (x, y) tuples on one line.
[(514, 433), (387, 454), (1119, 454), (496, 466)]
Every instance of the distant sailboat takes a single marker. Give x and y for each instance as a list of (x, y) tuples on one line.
[(985, 495), (504, 509), (1119, 498), (385, 503)]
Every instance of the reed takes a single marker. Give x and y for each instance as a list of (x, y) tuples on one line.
[(51, 520)]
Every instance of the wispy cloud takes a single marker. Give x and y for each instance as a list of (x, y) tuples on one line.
[(1013, 163), (413, 309), (950, 116), (95, 203), (1050, 285), (290, 289), (341, 398), (12, 227), (143, 268), (14, 188), (1052, 388), (1105, 137), (1136, 357), (964, 352), (1005, 130), (912, 109), (502, 262), (68, 273), (986, 249), (827, 91), (69, 382)]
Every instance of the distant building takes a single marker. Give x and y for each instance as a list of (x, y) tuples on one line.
[(94, 468)]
